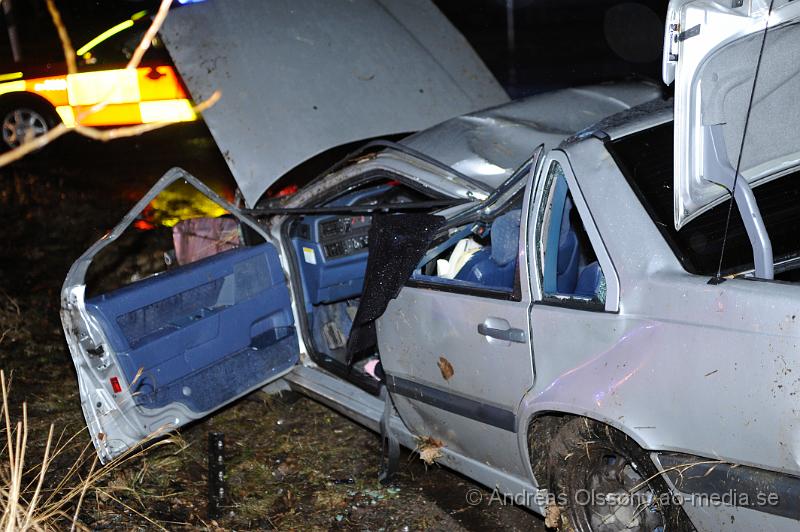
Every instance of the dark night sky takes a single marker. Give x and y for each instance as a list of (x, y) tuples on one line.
[(558, 42)]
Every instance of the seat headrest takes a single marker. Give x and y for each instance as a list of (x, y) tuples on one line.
[(505, 237)]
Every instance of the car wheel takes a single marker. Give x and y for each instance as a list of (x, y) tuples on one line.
[(22, 119), (604, 482)]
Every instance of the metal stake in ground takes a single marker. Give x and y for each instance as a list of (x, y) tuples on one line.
[(216, 474)]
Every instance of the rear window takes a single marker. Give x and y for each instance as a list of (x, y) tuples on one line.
[(646, 160)]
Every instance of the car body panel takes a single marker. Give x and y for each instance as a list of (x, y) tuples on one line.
[(136, 96), (712, 51), (300, 77), (674, 337), (489, 145), (368, 409), (431, 345), (673, 362), (171, 348)]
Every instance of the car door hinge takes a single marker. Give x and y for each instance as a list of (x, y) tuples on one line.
[(676, 36), (97, 351), (674, 30), (694, 31)]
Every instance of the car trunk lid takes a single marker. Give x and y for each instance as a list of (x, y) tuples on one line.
[(711, 52)]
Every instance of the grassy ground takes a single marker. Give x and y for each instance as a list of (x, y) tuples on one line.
[(291, 463)]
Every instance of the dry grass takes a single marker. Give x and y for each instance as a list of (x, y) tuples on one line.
[(33, 498), (11, 325)]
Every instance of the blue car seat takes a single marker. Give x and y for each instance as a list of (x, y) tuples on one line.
[(563, 273), (568, 253), (590, 280), (494, 266)]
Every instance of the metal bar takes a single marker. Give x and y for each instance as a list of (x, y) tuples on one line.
[(359, 209), (718, 169), (216, 474), (376, 145)]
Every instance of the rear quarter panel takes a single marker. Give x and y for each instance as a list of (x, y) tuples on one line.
[(685, 366)]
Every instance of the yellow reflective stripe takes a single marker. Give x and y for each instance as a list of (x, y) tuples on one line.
[(13, 86), (110, 32), (167, 111), (50, 84), (66, 114), (112, 86), (138, 15), (121, 114), (128, 114), (9, 77)]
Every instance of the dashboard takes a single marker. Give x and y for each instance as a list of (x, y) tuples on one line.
[(344, 236), (332, 249)]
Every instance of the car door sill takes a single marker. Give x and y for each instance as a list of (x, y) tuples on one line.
[(367, 409)]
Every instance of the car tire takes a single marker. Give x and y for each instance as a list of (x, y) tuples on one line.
[(20, 115), (603, 482)]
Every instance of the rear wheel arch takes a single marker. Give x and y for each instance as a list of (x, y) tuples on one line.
[(556, 440), (23, 97), (543, 425)]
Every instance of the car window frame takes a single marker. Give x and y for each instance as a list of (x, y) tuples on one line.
[(521, 292), (539, 219), (515, 294)]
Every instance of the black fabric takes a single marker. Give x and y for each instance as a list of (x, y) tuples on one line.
[(397, 242)]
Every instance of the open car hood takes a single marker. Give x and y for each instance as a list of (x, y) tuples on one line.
[(301, 76), (711, 50)]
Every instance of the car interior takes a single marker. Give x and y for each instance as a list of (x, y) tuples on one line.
[(331, 251), (478, 255), (572, 270), (222, 324), (229, 313)]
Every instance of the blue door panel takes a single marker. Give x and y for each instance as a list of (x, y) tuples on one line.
[(204, 333)]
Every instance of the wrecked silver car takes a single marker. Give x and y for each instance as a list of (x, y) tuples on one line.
[(566, 312)]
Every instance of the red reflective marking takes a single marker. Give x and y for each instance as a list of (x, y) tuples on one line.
[(115, 385), (143, 225)]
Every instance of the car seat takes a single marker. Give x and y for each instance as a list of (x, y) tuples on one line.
[(568, 253), (495, 265), (590, 280)]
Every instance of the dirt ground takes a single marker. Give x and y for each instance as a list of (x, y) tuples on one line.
[(291, 463)]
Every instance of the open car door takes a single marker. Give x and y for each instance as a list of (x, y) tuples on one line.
[(171, 348), (712, 51)]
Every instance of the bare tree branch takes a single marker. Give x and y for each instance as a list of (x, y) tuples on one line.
[(66, 43), (150, 34), (132, 131), (32, 145), (136, 58), (36, 143)]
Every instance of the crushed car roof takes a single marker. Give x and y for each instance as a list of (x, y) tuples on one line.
[(301, 76), (489, 145)]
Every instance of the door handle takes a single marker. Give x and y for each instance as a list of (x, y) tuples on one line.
[(508, 335)]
